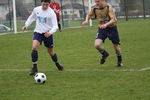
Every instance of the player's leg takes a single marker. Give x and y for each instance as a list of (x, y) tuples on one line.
[(100, 38), (118, 54), (34, 56), (99, 46), (48, 42), (37, 39), (114, 37), (55, 58), (59, 25)]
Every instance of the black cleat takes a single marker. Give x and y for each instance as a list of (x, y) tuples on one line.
[(60, 67), (104, 56), (33, 71), (120, 65)]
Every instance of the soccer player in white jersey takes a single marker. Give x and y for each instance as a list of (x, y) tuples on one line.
[(46, 25)]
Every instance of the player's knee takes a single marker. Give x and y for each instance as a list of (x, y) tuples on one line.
[(98, 45), (35, 45)]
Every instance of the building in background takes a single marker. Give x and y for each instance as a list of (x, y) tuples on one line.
[(74, 9), (115, 4), (4, 10)]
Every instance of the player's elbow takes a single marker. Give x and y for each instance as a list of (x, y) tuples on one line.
[(114, 20)]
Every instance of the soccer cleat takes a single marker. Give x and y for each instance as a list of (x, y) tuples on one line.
[(104, 56), (60, 67), (33, 71), (120, 64)]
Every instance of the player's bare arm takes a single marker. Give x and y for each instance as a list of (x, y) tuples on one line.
[(86, 21), (24, 28)]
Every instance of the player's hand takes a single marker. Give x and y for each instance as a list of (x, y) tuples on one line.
[(24, 28), (57, 11), (104, 26), (47, 34), (85, 23)]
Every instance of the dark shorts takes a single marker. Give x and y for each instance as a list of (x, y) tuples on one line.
[(111, 33), (48, 42), (58, 19)]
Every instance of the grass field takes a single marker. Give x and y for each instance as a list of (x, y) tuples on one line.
[(84, 78)]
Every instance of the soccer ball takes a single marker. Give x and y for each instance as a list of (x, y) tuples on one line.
[(40, 78)]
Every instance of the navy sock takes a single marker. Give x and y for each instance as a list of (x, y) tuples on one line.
[(54, 58), (35, 66), (103, 52), (119, 57), (34, 56)]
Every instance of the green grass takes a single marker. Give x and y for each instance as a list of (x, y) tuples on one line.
[(75, 49)]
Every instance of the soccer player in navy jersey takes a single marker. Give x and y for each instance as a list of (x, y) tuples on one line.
[(107, 28), (46, 26)]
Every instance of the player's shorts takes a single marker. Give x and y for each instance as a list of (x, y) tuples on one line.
[(111, 33), (48, 42)]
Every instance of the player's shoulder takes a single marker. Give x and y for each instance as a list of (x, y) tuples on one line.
[(37, 8), (109, 5), (50, 9), (94, 6)]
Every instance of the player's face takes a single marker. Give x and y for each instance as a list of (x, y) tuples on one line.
[(98, 2), (45, 5)]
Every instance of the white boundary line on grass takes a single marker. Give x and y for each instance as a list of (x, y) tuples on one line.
[(145, 68), (2, 34), (81, 70)]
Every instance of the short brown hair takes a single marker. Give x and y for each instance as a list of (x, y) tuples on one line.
[(47, 1)]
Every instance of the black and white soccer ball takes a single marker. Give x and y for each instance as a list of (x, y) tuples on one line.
[(40, 78)]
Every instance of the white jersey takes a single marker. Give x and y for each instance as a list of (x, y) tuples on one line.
[(45, 20)]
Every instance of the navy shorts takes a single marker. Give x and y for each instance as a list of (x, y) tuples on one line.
[(48, 42), (111, 33)]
